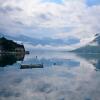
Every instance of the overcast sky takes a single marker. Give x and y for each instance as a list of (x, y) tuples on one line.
[(50, 18)]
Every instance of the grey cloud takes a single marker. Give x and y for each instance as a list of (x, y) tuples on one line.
[(8, 9), (19, 23), (44, 17)]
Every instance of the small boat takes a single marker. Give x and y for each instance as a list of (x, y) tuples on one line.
[(27, 52), (31, 66)]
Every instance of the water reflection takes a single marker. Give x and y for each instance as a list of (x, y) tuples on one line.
[(53, 62), (65, 76), (97, 65), (10, 59), (94, 59)]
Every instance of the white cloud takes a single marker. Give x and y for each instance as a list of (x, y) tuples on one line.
[(48, 47), (36, 14)]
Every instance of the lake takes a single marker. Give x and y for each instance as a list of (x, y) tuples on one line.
[(64, 76)]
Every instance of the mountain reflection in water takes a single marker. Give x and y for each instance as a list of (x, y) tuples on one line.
[(94, 59), (65, 76), (10, 59)]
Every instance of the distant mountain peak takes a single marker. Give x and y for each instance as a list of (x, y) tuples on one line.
[(91, 47), (97, 34)]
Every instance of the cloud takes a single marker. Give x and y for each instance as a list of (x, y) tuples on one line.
[(9, 9), (38, 18)]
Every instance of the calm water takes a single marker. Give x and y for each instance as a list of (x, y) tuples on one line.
[(65, 76)]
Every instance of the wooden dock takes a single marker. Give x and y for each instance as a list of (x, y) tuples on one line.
[(31, 66)]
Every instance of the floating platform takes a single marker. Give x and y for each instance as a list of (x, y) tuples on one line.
[(31, 66)]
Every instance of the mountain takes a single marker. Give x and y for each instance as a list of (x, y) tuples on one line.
[(44, 41), (10, 46), (91, 47)]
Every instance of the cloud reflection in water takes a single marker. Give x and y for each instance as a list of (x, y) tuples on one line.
[(74, 78)]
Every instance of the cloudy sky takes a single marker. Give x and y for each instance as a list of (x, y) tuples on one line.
[(50, 18)]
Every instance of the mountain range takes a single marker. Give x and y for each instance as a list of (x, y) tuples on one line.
[(92, 47), (43, 41)]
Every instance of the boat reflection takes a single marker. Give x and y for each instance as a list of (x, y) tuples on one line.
[(10, 59)]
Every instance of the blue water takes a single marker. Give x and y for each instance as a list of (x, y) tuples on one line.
[(64, 76)]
